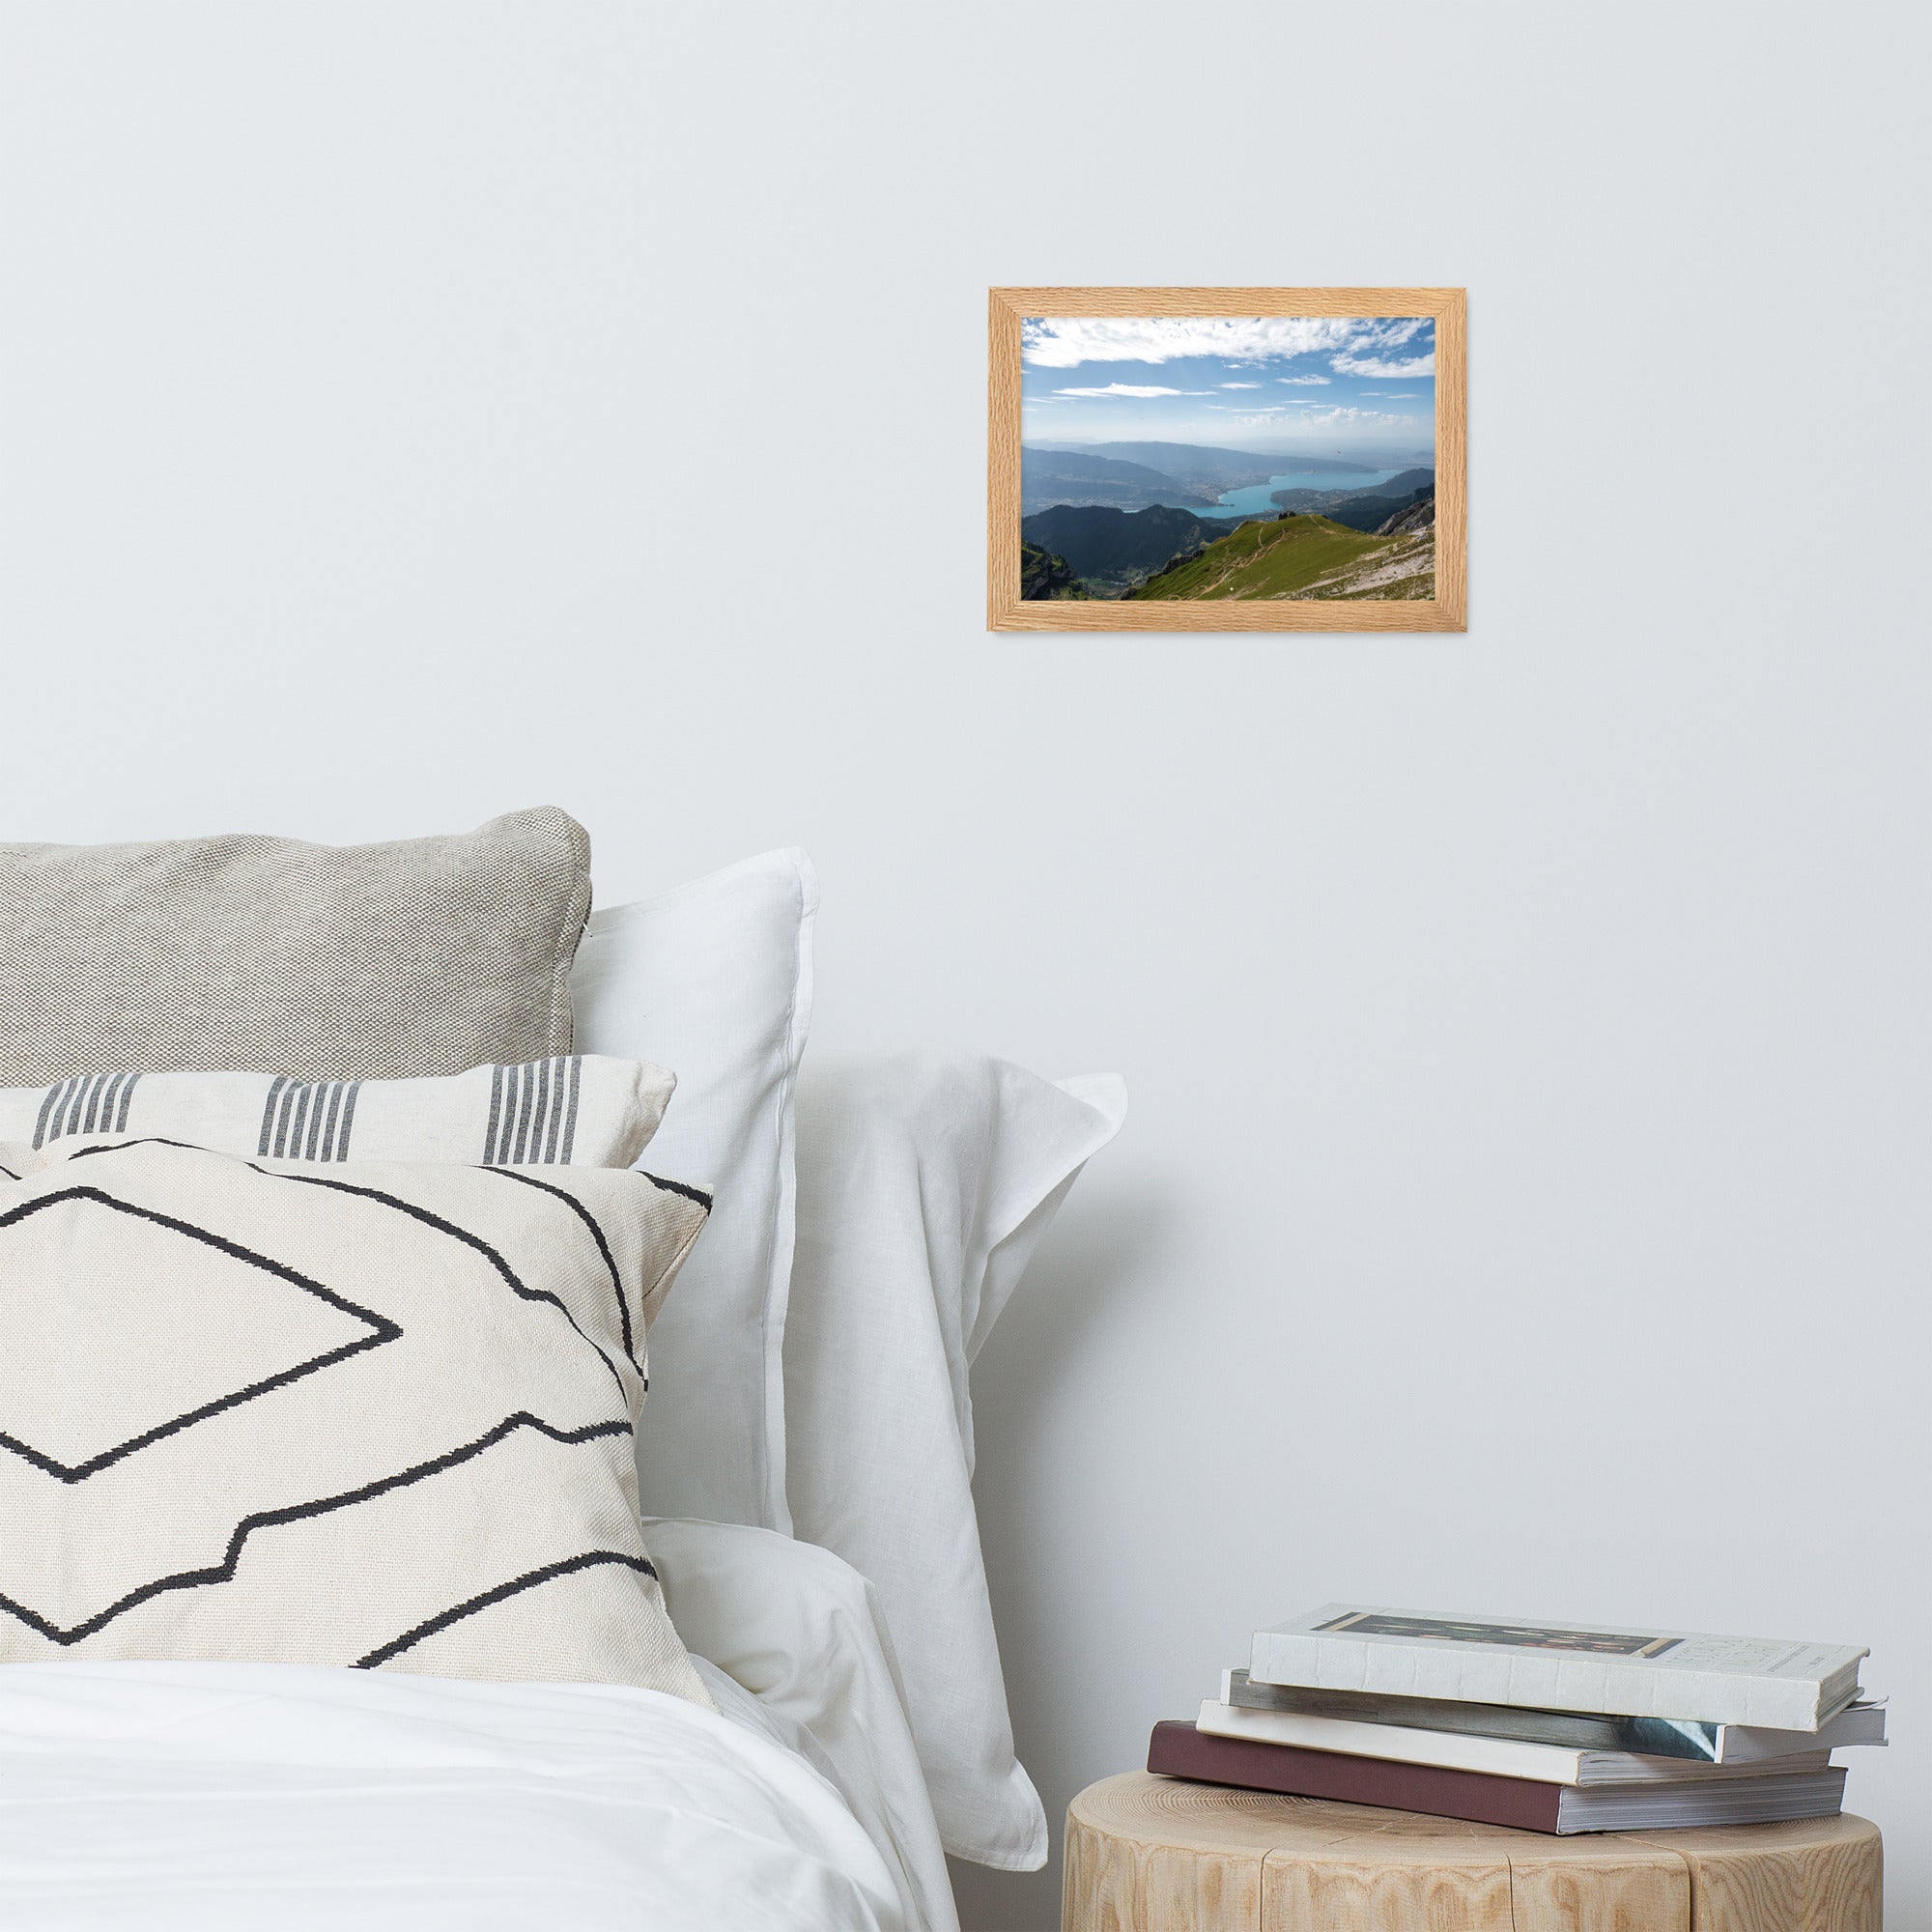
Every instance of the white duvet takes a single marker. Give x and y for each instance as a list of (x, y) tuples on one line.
[(222, 1796)]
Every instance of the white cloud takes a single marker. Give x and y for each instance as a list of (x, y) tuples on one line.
[(1300, 382), (1065, 342), (1261, 419), (1338, 418), (1395, 330), (1241, 386), (1343, 417), (1373, 365), (1132, 389)]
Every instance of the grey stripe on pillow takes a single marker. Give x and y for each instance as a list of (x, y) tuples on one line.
[(579, 1110)]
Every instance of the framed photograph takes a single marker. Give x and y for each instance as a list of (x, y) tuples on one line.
[(1226, 460)]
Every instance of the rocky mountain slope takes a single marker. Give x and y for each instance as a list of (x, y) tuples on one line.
[(1303, 557), (1042, 574), (1420, 515)]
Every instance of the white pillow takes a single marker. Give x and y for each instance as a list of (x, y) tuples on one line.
[(926, 1182), (714, 982)]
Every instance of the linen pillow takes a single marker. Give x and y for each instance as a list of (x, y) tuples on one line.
[(376, 1414), (321, 962), (576, 1109), (715, 980), (926, 1182)]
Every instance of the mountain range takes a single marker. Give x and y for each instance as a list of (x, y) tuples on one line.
[(1226, 468), (1138, 475), (1112, 549), (1102, 520), (1065, 477), (1366, 509)]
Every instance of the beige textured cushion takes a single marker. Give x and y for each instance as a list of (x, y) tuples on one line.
[(374, 1414), (321, 962)]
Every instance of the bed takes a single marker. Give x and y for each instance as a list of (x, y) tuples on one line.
[(832, 1722), (226, 1794)]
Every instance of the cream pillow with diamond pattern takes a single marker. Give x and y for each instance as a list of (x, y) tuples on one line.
[(371, 1414)]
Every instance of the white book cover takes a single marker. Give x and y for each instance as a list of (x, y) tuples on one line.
[(1494, 1757), (1557, 1667)]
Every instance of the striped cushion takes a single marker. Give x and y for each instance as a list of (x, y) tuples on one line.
[(577, 1110), (374, 1414)]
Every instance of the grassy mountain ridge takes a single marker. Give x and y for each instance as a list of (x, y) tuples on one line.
[(1301, 557)]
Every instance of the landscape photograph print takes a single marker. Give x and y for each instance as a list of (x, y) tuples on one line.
[(1281, 469)]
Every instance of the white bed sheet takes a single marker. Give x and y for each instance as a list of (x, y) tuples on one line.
[(226, 1796), (802, 1629)]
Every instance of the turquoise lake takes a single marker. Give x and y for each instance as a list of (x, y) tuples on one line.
[(1253, 501)]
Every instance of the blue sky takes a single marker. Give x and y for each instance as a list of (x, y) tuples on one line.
[(1316, 383)]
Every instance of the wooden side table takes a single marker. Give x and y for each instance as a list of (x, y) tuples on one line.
[(1147, 1854)]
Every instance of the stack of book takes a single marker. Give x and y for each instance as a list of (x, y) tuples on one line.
[(1547, 1727)]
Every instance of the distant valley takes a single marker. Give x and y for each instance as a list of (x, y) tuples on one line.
[(1132, 475), (1104, 522), (1049, 477), (1361, 509)]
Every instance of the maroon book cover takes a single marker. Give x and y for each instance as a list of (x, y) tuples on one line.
[(1178, 1751)]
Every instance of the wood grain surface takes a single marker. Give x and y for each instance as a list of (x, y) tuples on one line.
[(1147, 1854)]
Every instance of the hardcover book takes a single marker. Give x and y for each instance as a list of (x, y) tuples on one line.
[(1494, 1757), (1180, 1751), (1859, 1724), (1764, 1682)]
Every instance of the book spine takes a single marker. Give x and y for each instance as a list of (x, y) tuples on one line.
[(1178, 1751), (1551, 1682), (1738, 1743), (1452, 1751), (1574, 1730)]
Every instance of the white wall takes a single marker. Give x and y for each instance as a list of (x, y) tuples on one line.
[(412, 411)]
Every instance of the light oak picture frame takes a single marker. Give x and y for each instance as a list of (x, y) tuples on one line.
[(1008, 309)]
